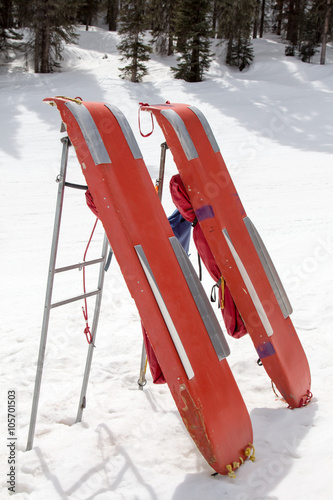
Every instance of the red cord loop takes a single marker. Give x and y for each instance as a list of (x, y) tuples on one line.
[(87, 331), (152, 120)]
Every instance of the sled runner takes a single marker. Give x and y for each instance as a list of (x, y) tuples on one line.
[(180, 323), (238, 250)]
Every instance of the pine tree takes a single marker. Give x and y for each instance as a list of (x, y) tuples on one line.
[(235, 25), (312, 24), (161, 13), (308, 24), (309, 34), (87, 11), (7, 32), (294, 17), (6, 14), (22, 12), (193, 29), (241, 53), (132, 47), (112, 11), (51, 24), (279, 15)]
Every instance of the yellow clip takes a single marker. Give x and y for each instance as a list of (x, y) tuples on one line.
[(78, 101), (248, 452), (230, 471), (222, 292)]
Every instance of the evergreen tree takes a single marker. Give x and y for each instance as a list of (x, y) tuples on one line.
[(241, 53), (87, 11), (309, 34), (7, 32), (22, 12), (133, 21), (214, 15), (51, 24), (235, 25), (112, 12), (314, 27), (278, 8), (193, 29), (6, 14), (293, 25), (162, 25), (307, 24)]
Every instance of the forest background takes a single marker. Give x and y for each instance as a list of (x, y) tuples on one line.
[(40, 28)]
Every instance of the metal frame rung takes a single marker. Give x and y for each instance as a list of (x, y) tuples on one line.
[(80, 265), (74, 299)]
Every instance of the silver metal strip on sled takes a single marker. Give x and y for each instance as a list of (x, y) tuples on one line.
[(182, 133), (90, 132), (200, 298), (127, 131), (249, 285), (165, 313), (206, 127), (271, 273)]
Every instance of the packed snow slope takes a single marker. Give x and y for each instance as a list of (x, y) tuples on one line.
[(273, 123)]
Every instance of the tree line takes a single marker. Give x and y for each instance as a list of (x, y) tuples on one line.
[(182, 27)]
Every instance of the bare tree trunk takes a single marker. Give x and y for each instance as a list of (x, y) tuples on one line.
[(262, 19), (42, 38), (326, 25), (293, 21), (280, 17), (214, 17), (134, 75), (195, 66), (170, 44), (6, 14), (45, 61), (229, 50), (256, 20), (112, 14), (36, 55)]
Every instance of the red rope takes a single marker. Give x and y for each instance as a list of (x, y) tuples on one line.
[(87, 331)]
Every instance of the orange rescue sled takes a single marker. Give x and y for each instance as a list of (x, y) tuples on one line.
[(237, 248), (180, 323)]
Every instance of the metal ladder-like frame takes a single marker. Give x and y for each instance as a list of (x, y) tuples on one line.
[(49, 305)]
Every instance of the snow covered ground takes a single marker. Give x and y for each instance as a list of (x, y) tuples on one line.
[(274, 126)]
